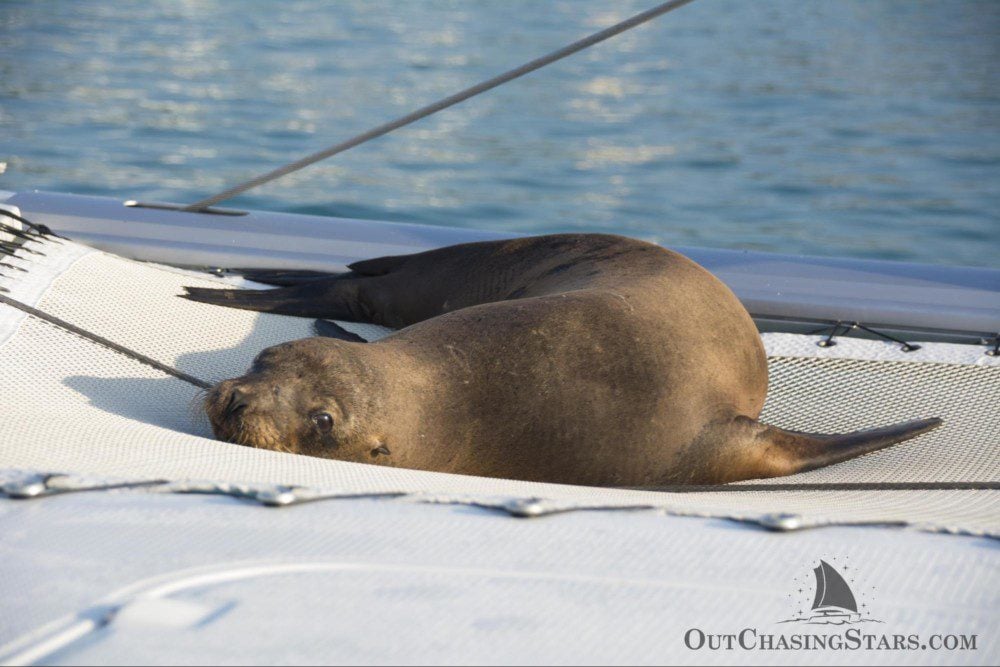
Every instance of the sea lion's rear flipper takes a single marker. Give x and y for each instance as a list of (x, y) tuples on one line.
[(378, 266), (282, 278), (768, 451), (305, 293), (337, 297)]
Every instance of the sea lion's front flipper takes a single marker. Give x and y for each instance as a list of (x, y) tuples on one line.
[(756, 450), (329, 329)]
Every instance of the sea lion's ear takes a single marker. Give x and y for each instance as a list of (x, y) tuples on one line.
[(379, 449), (330, 329)]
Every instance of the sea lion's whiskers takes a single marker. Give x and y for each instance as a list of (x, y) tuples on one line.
[(198, 403), (240, 438)]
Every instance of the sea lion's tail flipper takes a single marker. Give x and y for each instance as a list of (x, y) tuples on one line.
[(773, 451)]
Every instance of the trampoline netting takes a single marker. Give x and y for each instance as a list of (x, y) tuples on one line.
[(77, 407)]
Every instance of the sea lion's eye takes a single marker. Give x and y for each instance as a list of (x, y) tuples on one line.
[(323, 421)]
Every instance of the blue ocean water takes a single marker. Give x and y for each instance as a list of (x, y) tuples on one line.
[(863, 128)]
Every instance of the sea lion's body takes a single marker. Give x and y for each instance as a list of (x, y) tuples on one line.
[(586, 359)]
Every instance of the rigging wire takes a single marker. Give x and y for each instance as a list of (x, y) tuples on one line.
[(452, 100)]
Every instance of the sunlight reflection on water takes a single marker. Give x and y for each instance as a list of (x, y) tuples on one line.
[(857, 128)]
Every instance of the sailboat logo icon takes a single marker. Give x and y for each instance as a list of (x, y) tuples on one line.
[(834, 602)]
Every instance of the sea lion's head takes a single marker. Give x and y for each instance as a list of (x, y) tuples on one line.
[(312, 396)]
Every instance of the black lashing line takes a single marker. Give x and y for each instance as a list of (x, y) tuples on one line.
[(100, 340)]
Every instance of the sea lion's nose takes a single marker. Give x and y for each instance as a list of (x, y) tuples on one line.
[(239, 399)]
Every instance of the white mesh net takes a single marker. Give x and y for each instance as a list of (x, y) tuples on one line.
[(75, 406)]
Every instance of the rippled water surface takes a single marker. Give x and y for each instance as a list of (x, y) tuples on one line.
[(863, 128)]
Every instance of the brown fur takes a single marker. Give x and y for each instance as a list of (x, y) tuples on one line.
[(584, 358)]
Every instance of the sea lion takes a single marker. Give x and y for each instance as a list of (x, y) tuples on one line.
[(575, 358)]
